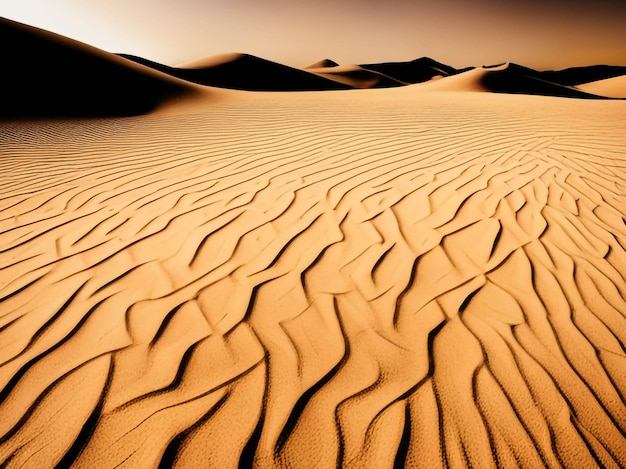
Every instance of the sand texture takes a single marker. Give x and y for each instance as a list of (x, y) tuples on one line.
[(363, 279), (427, 275)]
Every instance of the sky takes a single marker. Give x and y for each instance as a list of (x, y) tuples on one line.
[(548, 34)]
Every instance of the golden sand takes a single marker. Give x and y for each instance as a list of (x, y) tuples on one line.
[(354, 278)]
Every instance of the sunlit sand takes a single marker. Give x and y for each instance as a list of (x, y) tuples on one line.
[(430, 275)]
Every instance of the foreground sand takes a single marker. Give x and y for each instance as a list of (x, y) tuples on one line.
[(359, 278)]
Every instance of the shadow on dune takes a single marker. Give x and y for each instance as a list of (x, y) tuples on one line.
[(515, 79), (247, 72), (324, 63), (357, 77), (415, 71), (579, 75), (47, 75)]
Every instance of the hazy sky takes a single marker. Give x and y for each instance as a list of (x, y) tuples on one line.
[(541, 34)]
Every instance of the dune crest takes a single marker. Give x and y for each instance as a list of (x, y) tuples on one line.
[(214, 60), (614, 87), (414, 71), (47, 75), (514, 79), (324, 63), (245, 72), (393, 279), (356, 76)]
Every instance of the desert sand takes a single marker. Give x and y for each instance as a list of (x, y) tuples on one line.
[(430, 275), (614, 87)]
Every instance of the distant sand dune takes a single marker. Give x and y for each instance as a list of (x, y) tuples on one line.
[(356, 76), (414, 71), (246, 72), (324, 63), (614, 87), (515, 79), (317, 279), (522, 80), (578, 75)]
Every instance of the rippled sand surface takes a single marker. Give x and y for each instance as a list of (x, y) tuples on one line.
[(347, 278)]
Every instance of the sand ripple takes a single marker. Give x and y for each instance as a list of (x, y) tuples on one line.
[(317, 280)]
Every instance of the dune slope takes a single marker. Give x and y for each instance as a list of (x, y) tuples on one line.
[(324, 63), (510, 79), (415, 71), (356, 76), (44, 74), (371, 279), (614, 87), (517, 79), (245, 72), (579, 75)]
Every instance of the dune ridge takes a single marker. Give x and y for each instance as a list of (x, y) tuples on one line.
[(578, 75), (52, 76), (324, 63), (316, 280), (515, 79), (47, 75), (414, 71), (356, 76), (613, 87), (245, 72)]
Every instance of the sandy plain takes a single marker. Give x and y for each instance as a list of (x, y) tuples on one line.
[(421, 276)]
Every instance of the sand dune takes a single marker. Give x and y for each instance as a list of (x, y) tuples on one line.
[(579, 75), (356, 76), (324, 63), (364, 279), (516, 79), (614, 87), (415, 71), (353, 75), (246, 72), (471, 80), (381, 278), (50, 75), (45, 74), (506, 78)]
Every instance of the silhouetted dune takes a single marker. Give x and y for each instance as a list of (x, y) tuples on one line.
[(415, 71), (324, 63), (356, 76), (44, 74), (614, 87), (510, 79), (517, 79), (49, 75), (245, 72), (485, 66), (578, 75), (469, 80)]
